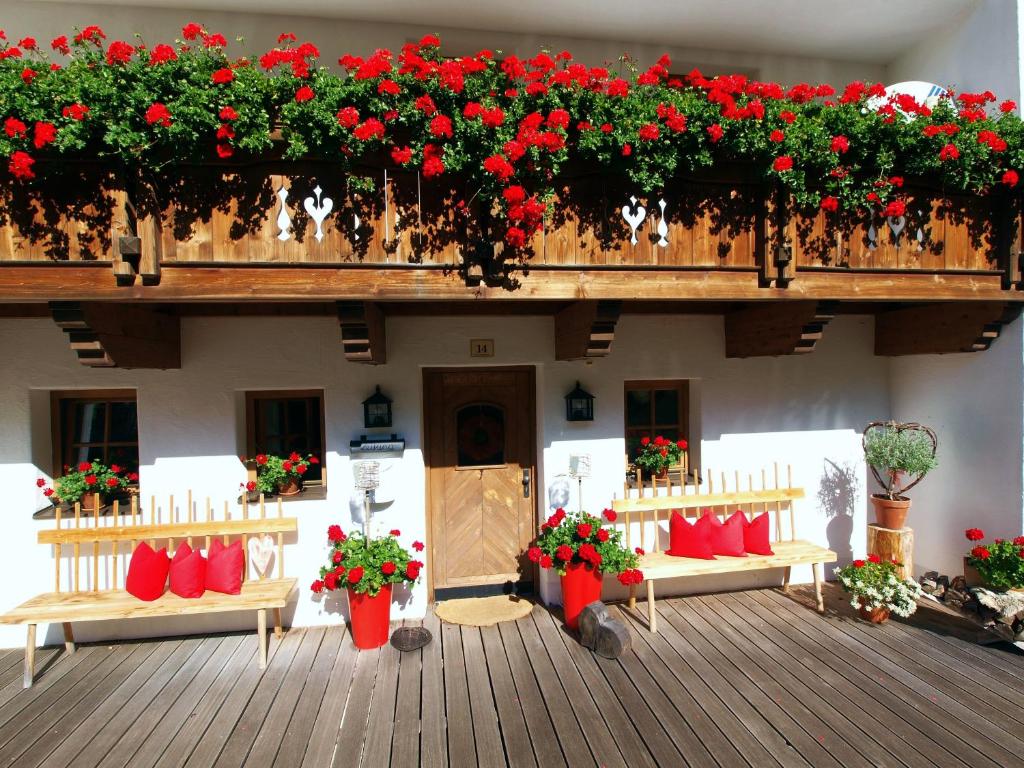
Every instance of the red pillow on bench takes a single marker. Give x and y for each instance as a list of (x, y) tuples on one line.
[(689, 539), (147, 572), (755, 535), (224, 568), (727, 537), (188, 572)]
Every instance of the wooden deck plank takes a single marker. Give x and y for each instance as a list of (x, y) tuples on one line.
[(514, 733), (988, 738), (461, 745), (236, 672), (268, 739), (567, 729), (916, 721), (405, 744), (617, 720), (327, 726), (380, 725), (855, 713), (1007, 666), (246, 731), (252, 685), (14, 698), (353, 725), (45, 657), (490, 751), (181, 714), (433, 719), (301, 725)]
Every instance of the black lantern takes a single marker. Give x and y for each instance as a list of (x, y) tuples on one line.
[(579, 405), (377, 410)]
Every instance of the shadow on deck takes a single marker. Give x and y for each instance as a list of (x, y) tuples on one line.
[(748, 678)]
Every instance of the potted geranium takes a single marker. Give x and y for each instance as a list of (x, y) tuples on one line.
[(275, 474), (900, 455), (89, 483), (1000, 565), (581, 550), (657, 455), (367, 568), (878, 590)]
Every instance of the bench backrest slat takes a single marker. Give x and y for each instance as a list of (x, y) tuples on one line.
[(131, 528)]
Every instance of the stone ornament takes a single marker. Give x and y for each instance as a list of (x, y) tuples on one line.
[(606, 636)]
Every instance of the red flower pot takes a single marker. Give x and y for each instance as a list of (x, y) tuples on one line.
[(370, 618), (581, 586)]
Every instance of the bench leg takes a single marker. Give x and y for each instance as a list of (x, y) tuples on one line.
[(817, 587), (652, 615), (69, 638), (30, 657), (785, 578), (632, 597), (261, 635), (278, 627)]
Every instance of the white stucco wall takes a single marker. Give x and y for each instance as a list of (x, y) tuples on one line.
[(800, 410), (975, 402)]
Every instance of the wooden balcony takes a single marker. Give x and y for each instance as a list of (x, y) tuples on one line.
[(262, 232), (742, 679)]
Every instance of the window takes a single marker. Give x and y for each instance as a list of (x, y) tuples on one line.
[(284, 421), (95, 424), (656, 408)]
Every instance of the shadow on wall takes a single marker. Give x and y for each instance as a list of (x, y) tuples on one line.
[(837, 497)]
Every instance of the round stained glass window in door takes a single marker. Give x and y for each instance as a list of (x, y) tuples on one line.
[(480, 435)]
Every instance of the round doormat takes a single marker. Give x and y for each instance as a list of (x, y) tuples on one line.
[(483, 611)]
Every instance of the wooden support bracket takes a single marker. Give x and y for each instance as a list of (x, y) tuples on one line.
[(586, 329), (140, 252), (109, 335), (937, 329), (776, 328), (363, 337)]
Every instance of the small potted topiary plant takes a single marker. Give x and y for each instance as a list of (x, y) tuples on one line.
[(900, 455)]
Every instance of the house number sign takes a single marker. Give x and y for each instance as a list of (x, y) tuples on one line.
[(481, 347)]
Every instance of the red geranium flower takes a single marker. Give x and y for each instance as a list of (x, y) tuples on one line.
[(90, 479), (317, 586), (301, 469), (649, 132), (75, 111), (158, 114), (305, 93), (545, 561), (371, 128), (715, 131), (534, 554), (858, 563), (1010, 178), (783, 163), (874, 559), (119, 52), (401, 155), (441, 126), (777, 136), (355, 574), (84, 466), (60, 44), (395, 532), (974, 534), (949, 152), (583, 530), (389, 87), (331, 580), (840, 144), (1019, 541), (981, 553), (261, 458), (228, 113), (191, 31), (112, 482), (602, 534), (223, 75), (14, 127), (43, 134), (286, 466), (334, 533), (515, 237), (829, 203), (564, 552), (91, 34), (412, 570), (250, 486), (387, 568), (418, 546), (640, 551), (20, 165), (28, 75), (895, 208), (498, 166), (161, 54), (610, 515)]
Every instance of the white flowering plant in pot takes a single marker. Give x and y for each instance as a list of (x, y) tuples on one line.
[(876, 586)]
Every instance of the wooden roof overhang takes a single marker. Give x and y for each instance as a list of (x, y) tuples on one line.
[(109, 258)]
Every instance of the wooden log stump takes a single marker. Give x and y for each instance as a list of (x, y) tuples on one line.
[(890, 543)]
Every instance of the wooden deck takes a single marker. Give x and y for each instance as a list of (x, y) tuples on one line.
[(751, 678)]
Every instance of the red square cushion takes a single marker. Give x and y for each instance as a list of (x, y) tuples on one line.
[(727, 537), (689, 539), (224, 568), (188, 572), (147, 572), (755, 536)]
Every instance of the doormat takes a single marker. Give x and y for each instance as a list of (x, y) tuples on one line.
[(483, 611)]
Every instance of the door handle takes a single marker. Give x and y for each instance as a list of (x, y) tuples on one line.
[(526, 483)]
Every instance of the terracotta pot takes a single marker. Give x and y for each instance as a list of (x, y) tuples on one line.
[(88, 501), (581, 586), (289, 487), (370, 618), (875, 615), (890, 513), (662, 473)]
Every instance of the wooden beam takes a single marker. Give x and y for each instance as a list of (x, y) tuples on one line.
[(586, 329), (362, 332), (85, 281), (937, 329), (776, 328), (119, 335)]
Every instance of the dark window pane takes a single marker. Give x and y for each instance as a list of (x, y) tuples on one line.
[(124, 423), (638, 408), (89, 423), (85, 453), (272, 416), (296, 410), (480, 435), (126, 456), (290, 424), (666, 406)]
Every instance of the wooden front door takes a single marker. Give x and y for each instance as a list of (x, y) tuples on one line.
[(480, 443)]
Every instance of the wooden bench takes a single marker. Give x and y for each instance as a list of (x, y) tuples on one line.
[(645, 508), (100, 596)]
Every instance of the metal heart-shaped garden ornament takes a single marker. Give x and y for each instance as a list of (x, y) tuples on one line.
[(896, 483), (261, 554)]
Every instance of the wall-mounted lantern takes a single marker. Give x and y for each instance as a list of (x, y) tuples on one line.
[(377, 410), (579, 405)]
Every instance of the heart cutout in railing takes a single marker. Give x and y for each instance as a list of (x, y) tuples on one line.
[(261, 554)]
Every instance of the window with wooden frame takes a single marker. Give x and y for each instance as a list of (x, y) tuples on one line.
[(95, 424), (282, 421), (654, 408)]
